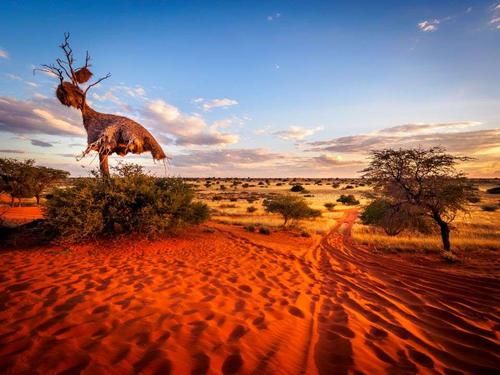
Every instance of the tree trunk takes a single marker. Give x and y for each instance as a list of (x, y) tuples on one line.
[(104, 165), (37, 196), (445, 232), (12, 201)]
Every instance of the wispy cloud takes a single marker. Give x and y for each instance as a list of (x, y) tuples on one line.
[(11, 151), (273, 17), (208, 105), (450, 135), (3, 54), (495, 16), (296, 133), (429, 26), (39, 143)]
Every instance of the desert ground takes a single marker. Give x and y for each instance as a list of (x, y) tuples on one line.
[(326, 296)]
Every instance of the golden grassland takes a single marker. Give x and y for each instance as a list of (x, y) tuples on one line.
[(475, 230), (229, 200)]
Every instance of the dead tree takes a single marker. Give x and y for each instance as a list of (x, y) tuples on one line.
[(106, 133)]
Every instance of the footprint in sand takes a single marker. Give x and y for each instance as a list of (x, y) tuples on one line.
[(245, 288), (232, 364), (296, 312), (237, 332)]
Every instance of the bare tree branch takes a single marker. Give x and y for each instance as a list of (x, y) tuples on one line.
[(96, 82)]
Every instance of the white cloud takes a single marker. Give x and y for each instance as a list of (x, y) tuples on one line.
[(451, 135), (296, 133), (187, 129), (3, 54), (429, 26), (216, 103), (39, 117)]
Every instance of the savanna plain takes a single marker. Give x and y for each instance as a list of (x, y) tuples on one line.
[(242, 293)]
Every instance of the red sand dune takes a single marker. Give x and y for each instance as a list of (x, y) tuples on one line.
[(236, 302)]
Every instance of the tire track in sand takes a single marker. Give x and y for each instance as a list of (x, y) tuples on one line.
[(383, 315)]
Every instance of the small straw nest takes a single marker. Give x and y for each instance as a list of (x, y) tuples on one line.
[(82, 75)]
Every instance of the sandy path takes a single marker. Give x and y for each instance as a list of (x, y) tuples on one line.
[(386, 315), (235, 302)]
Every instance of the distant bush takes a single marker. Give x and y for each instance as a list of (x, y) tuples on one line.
[(348, 200), (129, 202), (329, 206), (250, 228), (305, 233), (495, 190), (264, 230), (297, 188), (489, 207), (251, 209), (227, 206), (349, 187), (290, 207), (245, 185), (473, 199)]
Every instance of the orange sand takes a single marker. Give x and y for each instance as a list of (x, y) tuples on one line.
[(21, 214), (237, 302)]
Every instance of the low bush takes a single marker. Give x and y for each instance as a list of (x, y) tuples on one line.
[(264, 230), (330, 206), (495, 190), (297, 188), (489, 207), (249, 228), (348, 200), (251, 209), (473, 199), (130, 201)]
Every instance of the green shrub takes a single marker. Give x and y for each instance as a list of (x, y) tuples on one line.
[(473, 199), (249, 228), (297, 188), (489, 207), (329, 206), (495, 190), (349, 200), (395, 218), (129, 202), (264, 230), (251, 209)]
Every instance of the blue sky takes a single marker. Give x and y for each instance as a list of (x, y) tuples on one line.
[(260, 88)]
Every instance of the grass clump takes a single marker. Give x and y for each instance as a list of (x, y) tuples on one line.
[(130, 201)]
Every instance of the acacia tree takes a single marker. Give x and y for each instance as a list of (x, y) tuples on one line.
[(16, 178), (23, 179), (424, 180), (290, 207), (44, 177)]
